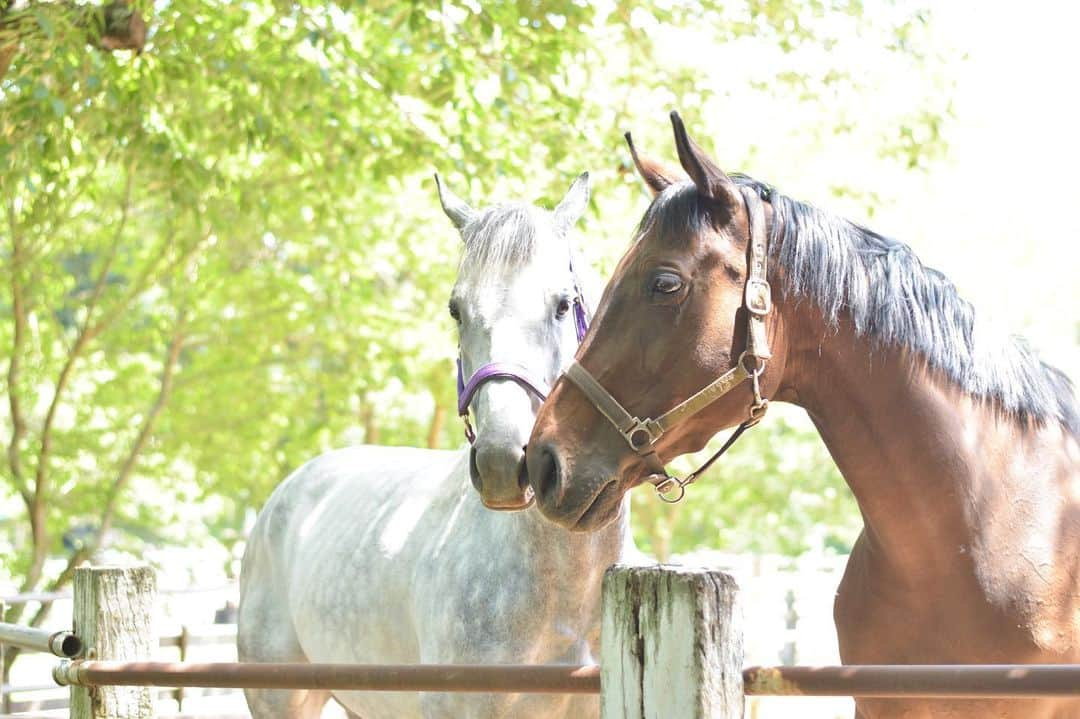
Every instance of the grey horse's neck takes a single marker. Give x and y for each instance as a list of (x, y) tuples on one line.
[(570, 556)]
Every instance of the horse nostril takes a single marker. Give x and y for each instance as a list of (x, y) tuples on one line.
[(546, 480), (523, 472), (474, 471)]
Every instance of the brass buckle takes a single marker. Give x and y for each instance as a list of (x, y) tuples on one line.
[(637, 428), (758, 297)]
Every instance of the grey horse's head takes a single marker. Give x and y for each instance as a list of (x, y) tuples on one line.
[(514, 305)]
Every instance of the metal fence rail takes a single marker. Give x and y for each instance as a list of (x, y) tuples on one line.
[(42, 697), (923, 681), (63, 644), (510, 678), (968, 681)]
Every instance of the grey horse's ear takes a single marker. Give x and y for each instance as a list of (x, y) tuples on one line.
[(455, 208), (573, 205)]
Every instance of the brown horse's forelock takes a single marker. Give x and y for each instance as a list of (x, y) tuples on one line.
[(676, 215), (889, 295)]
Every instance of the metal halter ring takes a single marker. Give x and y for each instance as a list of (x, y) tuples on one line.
[(759, 364), (669, 484)]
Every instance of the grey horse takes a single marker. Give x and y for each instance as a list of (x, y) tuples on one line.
[(385, 555)]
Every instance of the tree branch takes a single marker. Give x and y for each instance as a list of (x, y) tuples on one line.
[(86, 333), (115, 26), (144, 280), (18, 421), (127, 468)]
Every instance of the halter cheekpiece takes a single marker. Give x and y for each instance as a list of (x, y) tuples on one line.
[(642, 434)]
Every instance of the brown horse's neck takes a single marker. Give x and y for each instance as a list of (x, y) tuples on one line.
[(909, 443)]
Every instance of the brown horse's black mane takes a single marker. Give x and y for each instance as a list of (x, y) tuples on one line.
[(890, 296)]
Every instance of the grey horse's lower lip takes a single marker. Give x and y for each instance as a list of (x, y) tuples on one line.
[(530, 499)]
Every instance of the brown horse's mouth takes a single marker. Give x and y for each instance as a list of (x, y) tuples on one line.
[(601, 511)]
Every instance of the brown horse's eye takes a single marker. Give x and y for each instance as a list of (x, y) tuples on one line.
[(666, 283)]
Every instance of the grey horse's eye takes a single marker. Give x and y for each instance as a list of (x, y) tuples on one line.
[(563, 308), (454, 311)]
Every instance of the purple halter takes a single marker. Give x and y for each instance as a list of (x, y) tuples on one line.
[(506, 370)]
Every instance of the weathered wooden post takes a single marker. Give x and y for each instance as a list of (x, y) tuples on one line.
[(671, 644), (113, 617)]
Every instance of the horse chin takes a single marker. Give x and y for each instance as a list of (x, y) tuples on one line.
[(602, 511)]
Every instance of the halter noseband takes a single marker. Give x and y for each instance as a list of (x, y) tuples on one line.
[(515, 372), (642, 434)]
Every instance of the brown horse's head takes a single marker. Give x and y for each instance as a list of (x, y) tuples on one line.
[(671, 321)]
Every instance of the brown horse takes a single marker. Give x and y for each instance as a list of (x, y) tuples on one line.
[(960, 447)]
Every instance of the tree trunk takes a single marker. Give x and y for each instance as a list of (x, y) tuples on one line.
[(438, 421)]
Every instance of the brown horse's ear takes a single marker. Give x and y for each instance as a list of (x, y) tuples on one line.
[(709, 179), (656, 176)]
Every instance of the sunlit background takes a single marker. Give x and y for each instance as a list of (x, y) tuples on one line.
[(253, 191)]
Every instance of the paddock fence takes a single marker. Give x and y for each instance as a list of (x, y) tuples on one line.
[(208, 633), (16, 699), (671, 645)]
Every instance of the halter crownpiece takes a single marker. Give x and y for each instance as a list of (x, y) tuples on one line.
[(643, 434)]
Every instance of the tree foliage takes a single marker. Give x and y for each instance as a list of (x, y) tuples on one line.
[(221, 253)]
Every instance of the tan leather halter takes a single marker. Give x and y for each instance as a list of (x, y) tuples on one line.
[(642, 434)]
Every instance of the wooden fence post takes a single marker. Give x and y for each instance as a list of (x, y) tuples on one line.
[(182, 645), (113, 617), (671, 644)]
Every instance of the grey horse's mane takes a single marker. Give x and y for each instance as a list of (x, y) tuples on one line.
[(890, 296)]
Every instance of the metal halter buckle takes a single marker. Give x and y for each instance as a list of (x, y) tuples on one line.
[(758, 297), (635, 430)]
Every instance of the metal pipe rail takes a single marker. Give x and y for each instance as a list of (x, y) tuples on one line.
[(968, 681), (508, 678), (63, 644), (926, 681)]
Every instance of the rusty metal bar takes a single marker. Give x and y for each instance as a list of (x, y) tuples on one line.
[(63, 644), (923, 680), (505, 678)]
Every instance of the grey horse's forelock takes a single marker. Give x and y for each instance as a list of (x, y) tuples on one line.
[(889, 296), (502, 237)]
